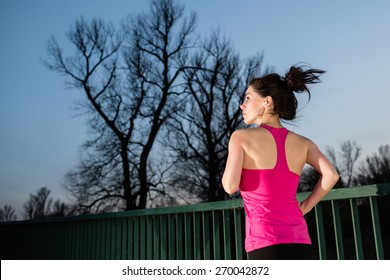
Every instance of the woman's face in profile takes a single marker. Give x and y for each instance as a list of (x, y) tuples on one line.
[(251, 107)]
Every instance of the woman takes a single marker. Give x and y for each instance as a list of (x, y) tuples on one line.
[(265, 164)]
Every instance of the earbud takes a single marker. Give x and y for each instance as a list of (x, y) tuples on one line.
[(262, 106)]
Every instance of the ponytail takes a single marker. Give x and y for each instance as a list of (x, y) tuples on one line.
[(282, 89), (297, 78)]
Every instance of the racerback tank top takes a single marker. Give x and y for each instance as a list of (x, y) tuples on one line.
[(271, 207)]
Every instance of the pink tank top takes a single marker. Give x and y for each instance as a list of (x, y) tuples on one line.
[(271, 207)]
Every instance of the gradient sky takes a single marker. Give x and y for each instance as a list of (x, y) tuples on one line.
[(40, 134)]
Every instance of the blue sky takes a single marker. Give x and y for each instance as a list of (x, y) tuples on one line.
[(40, 135)]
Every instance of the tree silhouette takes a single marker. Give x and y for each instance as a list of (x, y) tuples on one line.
[(60, 209), (376, 168), (7, 214), (129, 80), (346, 159), (39, 204)]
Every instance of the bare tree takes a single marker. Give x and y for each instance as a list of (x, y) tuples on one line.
[(350, 152), (129, 80), (7, 214), (346, 159), (215, 86), (39, 204), (29, 208), (93, 70), (60, 209), (376, 168), (157, 54)]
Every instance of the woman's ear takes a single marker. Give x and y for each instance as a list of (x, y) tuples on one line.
[(268, 101)]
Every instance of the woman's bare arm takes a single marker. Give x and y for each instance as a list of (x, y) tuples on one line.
[(328, 179), (232, 175)]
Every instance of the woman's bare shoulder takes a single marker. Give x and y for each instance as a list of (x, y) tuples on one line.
[(246, 131), (245, 135), (251, 132), (300, 138)]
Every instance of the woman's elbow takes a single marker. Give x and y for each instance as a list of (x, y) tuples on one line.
[(230, 188), (333, 177)]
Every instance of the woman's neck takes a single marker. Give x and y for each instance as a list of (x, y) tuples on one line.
[(270, 120)]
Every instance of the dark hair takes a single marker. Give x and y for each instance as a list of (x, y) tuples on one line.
[(282, 89)]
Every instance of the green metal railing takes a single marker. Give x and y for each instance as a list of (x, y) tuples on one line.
[(212, 230)]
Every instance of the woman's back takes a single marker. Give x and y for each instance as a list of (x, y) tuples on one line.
[(260, 151)]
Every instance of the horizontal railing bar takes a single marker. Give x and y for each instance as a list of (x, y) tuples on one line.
[(353, 192), (335, 194)]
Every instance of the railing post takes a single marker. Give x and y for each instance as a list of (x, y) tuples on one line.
[(171, 237), (320, 232), (206, 235), (130, 238), (356, 230), (338, 230), (226, 234), (216, 231), (376, 228), (149, 238), (163, 237), (238, 234), (187, 236), (197, 236), (180, 236)]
